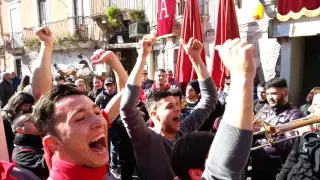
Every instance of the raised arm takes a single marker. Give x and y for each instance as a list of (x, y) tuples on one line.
[(130, 115), (42, 75), (231, 147), (100, 56), (209, 95)]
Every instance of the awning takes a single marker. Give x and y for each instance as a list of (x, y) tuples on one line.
[(295, 9)]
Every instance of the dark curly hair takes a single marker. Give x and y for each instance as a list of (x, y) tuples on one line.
[(15, 103)]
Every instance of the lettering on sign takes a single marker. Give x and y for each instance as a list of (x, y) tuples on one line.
[(163, 8)]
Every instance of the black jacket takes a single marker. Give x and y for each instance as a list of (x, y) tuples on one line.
[(303, 163), (94, 93), (28, 154), (103, 99), (6, 91)]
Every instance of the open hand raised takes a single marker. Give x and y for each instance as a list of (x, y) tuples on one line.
[(238, 57)]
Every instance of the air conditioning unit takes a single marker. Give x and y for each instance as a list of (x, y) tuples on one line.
[(138, 29)]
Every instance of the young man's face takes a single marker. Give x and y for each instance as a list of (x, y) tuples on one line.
[(110, 88), (315, 106), (13, 75), (144, 76), (261, 92), (160, 77), (97, 83), (276, 97), (190, 92), (169, 114), (82, 132), (169, 76), (81, 86)]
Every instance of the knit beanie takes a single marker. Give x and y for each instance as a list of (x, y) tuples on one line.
[(195, 85)]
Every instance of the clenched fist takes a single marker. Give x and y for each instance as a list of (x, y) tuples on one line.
[(147, 43), (193, 48), (100, 56), (45, 35), (238, 57)]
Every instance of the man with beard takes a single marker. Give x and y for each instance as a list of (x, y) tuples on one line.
[(267, 162), (262, 98), (75, 130), (153, 146)]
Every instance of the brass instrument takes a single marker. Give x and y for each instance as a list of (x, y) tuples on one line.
[(271, 131)]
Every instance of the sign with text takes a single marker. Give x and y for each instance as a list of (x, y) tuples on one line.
[(166, 16)]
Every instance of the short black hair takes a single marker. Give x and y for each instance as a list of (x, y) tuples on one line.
[(277, 83), (168, 70), (176, 92), (154, 97), (160, 70), (262, 84), (190, 152), (59, 78), (44, 114)]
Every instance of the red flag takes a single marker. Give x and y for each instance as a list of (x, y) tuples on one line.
[(226, 28), (166, 16), (191, 27)]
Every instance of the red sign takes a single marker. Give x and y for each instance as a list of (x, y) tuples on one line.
[(166, 16)]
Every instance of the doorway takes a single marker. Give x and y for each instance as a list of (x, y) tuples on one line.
[(19, 68)]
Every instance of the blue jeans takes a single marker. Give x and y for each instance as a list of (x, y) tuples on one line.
[(113, 144)]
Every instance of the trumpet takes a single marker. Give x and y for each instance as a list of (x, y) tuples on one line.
[(271, 131)]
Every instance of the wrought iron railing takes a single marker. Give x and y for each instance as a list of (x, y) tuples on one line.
[(99, 7), (13, 40), (128, 4), (78, 28)]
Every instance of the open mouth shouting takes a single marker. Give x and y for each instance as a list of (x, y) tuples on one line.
[(176, 119), (98, 144)]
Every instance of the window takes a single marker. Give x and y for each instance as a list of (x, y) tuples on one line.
[(42, 5), (78, 8), (203, 7), (180, 5)]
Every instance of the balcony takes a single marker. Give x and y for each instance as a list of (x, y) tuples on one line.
[(99, 7), (13, 43), (72, 33)]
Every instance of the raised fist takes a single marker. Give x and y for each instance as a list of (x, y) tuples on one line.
[(45, 35), (100, 56), (193, 48), (147, 43), (238, 57)]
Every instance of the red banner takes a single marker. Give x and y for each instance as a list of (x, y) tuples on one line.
[(166, 16)]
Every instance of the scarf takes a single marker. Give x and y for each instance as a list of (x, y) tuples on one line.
[(32, 141), (62, 170)]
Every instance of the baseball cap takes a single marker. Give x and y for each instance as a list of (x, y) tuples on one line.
[(20, 120), (109, 81)]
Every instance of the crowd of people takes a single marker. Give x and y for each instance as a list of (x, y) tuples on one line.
[(57, 129)]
